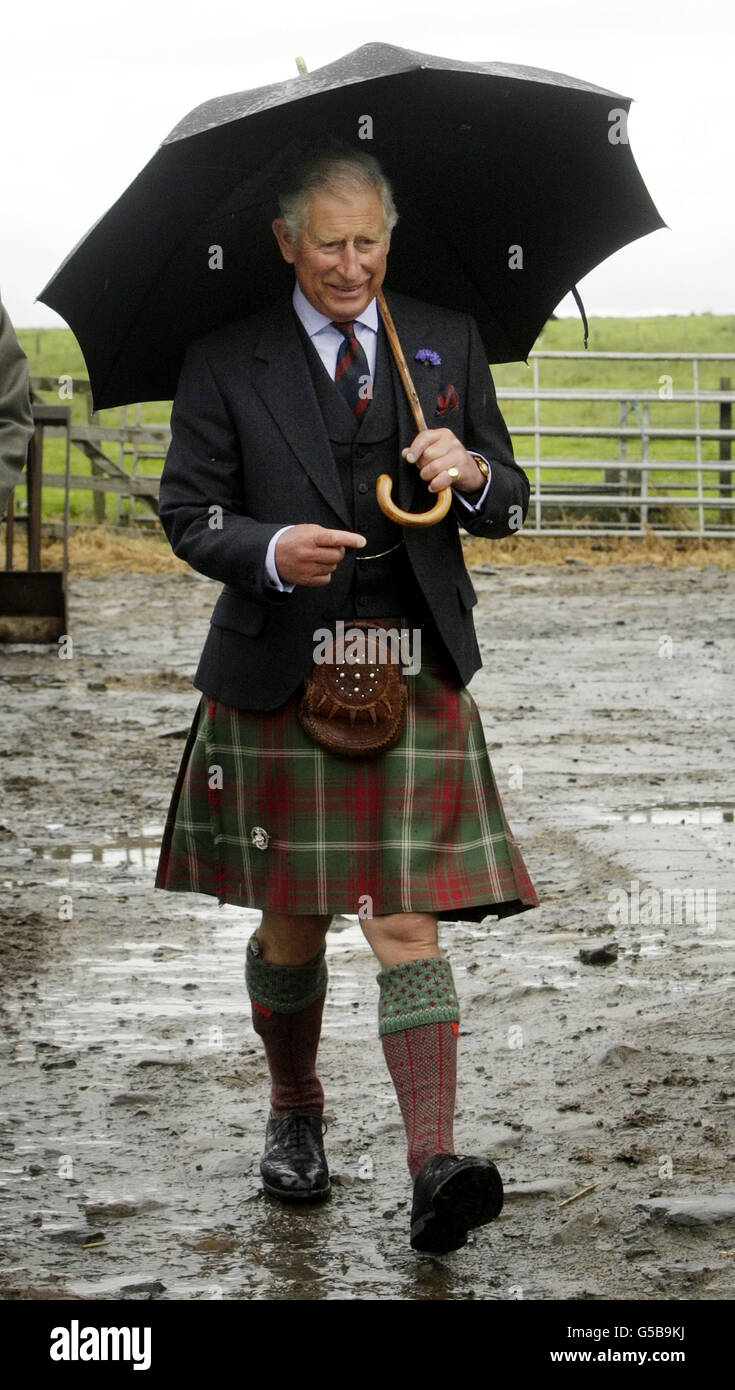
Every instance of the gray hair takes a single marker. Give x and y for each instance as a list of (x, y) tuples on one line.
[(331, 170)]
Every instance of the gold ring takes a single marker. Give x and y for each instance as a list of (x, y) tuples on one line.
[(452, 472)]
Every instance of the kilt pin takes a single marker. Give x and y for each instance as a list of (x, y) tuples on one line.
[(261, 816)]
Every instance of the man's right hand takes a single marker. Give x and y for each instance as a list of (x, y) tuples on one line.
[(310, 554)]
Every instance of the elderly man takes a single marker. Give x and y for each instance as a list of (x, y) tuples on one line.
[(281, 425)]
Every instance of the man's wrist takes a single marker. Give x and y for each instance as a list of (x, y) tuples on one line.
[(272, 577), (483, 474)]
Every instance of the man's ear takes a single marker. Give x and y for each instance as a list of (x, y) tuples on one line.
[(284, 240)]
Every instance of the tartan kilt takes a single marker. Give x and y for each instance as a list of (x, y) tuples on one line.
[(263, 817)]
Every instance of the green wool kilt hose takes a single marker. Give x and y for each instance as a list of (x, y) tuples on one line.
[(263, 817)]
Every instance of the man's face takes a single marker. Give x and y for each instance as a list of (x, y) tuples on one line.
[(340, 256)]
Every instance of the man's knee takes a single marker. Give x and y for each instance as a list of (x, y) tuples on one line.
[(292, 940), (402, 936)]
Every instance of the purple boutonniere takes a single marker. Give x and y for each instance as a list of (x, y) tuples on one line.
[(428, 357), (447, 402)]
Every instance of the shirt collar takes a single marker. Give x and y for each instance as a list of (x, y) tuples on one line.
[(314, 321)]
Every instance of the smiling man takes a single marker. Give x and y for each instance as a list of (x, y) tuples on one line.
[(281, 425), (340, 255)]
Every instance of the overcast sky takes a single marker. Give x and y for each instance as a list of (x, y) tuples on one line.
[(88, 92)]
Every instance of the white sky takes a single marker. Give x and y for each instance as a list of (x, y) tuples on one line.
[(87, 93)]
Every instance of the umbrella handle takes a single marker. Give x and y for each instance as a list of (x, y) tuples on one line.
[(384, 484), (415, 519)]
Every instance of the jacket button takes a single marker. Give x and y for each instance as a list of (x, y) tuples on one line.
[(362, 487), (360, 452)]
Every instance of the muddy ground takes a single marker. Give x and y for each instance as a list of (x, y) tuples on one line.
[(134, 1092)]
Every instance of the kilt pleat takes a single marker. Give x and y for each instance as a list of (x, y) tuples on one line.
[(263, 817)]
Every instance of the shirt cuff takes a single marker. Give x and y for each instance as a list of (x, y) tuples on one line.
[(475, 506), (272, 578)]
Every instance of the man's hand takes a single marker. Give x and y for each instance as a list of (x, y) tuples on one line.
[(310, 554), (435, 452)]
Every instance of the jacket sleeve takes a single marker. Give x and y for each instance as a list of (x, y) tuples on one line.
[(201, 503), (506, 504), (16, 414)]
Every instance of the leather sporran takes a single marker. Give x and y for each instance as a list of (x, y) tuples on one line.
[(356, 708)]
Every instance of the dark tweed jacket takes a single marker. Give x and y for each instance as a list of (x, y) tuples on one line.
[(248, 436)]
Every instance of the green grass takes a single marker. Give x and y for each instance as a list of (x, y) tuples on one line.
[(55, 353)]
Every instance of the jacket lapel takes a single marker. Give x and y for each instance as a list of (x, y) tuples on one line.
[(280, 375)]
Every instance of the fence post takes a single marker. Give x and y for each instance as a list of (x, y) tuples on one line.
[(614, 475), (725, 450), (645, 419), (537, 445), (98, 498)]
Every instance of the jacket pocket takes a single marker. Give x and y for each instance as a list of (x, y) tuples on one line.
[(238, 612)]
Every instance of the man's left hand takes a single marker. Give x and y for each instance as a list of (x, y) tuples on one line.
[(435, 452)]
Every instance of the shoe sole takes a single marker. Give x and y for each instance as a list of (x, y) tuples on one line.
[(468, 1197), (294, 1197)]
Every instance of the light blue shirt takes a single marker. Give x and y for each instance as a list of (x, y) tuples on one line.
[(327, 340)]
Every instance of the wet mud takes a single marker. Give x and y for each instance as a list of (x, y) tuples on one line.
[(596, 1038)]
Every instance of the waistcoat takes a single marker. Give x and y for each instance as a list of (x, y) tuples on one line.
[(362, 449)]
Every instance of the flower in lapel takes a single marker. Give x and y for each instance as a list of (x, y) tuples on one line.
[(447, 402), (428, 357)]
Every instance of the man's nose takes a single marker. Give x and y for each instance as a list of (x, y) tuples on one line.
[(349, 263)]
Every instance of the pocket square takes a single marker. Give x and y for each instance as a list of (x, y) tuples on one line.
[(447, 402)]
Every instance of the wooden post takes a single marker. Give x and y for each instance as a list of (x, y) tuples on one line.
[(34, 484), (9, 527), (615, 476), (725, 451), (99, 501)]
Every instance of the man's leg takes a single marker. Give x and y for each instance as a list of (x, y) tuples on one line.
[(419, 1025), (286, 977)]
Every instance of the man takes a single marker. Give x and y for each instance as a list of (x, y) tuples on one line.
[(16, 415), (280, 427)]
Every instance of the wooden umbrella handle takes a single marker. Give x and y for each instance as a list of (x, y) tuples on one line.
[(384, 485), (383, 489), (401, 363)]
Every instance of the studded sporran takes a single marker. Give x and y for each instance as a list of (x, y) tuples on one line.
[(356, 708)]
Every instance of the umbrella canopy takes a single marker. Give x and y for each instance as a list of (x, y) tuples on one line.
[(511, 184)]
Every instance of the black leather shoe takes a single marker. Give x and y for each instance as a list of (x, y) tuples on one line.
[(293, 1165), (452, 1195)]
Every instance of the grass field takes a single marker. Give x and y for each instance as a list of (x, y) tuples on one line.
[(56, 353)]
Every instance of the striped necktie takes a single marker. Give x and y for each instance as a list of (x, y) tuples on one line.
[(353, 374)]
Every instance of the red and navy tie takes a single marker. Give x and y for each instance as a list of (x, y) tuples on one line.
[(353, 374)]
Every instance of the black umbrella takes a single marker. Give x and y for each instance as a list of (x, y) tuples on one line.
[(511, 184)]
